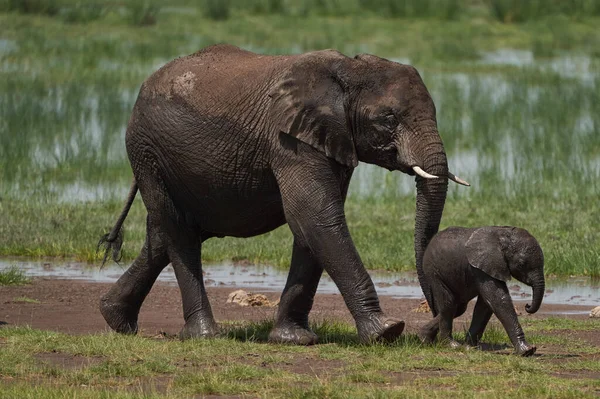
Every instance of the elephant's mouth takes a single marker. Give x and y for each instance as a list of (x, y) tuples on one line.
[(406, 170)]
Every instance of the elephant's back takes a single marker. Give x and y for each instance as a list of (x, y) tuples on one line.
[(220, 74), (446, 249)]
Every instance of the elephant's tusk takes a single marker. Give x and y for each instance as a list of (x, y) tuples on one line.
[(423, 174), (457, 179)]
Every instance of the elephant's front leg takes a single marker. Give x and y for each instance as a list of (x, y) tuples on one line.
[(314, 210), (296, 301), (496, 296)]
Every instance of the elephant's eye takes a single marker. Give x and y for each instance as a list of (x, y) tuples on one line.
[(390, 121)]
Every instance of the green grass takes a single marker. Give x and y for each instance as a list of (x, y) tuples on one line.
[(338, 367), (559, 323), (13, 276)]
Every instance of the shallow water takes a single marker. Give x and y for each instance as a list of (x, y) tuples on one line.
[(573, 291)]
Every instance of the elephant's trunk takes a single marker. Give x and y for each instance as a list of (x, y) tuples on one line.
[(539, 289), (431, 197)]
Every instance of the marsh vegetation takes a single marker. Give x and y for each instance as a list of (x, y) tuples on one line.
[(517, 100)]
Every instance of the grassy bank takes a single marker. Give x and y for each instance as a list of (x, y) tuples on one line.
[(382, 231), (110, 365)]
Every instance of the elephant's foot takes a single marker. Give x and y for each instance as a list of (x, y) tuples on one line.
[(524, 349), (379, 328), (293, 334), (199, 327), (120, 317)]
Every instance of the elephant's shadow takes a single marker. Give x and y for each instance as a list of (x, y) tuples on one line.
[(485, 347), (328, 333)]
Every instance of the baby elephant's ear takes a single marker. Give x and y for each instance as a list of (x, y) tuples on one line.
[(484, 252)]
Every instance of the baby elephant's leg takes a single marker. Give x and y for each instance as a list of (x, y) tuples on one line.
[(445, 302), (481, 317), (428, 332), (446, 320)]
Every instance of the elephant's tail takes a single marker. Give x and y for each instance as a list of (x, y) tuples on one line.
[(113, 241)]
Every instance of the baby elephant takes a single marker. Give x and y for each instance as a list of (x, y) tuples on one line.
[(462, 263)]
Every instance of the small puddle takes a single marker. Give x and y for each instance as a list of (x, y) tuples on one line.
[(573, 291), (566, 312)]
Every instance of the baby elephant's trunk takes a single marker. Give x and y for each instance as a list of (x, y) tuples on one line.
[(538, 295)]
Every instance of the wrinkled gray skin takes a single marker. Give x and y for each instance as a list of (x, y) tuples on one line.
[(462, 263), (226, 142)]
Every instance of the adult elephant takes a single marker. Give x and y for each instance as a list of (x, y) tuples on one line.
[(226, 142)]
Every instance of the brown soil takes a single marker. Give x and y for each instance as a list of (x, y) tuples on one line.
[(72, 307)]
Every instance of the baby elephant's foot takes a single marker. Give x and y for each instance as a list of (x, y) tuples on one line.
[(524, 349), (450, 343), (379, 328), (199, 327), (120, 317), (292, 334), (472, 341), (426, 335)]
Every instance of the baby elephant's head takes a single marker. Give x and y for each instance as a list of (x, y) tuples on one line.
[(503, 252)]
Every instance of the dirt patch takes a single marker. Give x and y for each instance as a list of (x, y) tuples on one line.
[(589, 336), (72, 307), (311, 366), (66, 361), (407, 377), (581, 374)]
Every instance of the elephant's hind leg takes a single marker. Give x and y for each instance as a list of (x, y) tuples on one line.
[(429, 331), (121, 305), (481, 316), (297, 298), (447, 307), (184, 253)]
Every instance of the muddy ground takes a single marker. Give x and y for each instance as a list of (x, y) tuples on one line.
[(72, 307)]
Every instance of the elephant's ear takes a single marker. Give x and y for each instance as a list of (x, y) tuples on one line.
[(308, 103), (484, 252)]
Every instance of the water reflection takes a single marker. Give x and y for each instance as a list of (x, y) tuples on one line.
[(568, 65), (499, 129), (574, 291)]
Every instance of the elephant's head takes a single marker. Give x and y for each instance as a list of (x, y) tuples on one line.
[(372, 110), (503, 252)]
